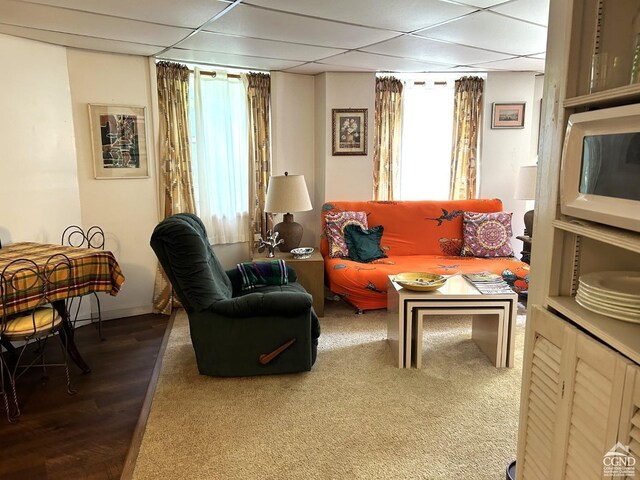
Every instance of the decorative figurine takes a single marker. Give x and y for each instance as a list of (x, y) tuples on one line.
[(271, 243)]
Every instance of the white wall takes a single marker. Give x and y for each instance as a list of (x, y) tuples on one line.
[(293, 140), (39, 194), (348, 177), (125, 208), (505, 150), (320, 151)]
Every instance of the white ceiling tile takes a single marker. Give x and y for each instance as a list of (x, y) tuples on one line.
[(468, 69), (536, 11), (60, 20), (492, 32), (382, 62), (227, 60), (260, 23), (520, 64), (315, 68), (399, 15), (188, 13), (216, 42), (79, 41), (482, 3), (311, 39), (423, 49)]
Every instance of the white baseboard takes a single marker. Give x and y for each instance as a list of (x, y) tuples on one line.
[(114, 314)]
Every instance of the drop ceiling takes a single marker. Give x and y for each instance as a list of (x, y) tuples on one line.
[(298, 36)]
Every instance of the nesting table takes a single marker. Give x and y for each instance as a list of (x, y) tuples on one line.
[(492, 327)]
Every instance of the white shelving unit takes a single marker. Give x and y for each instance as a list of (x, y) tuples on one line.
[(567, 345)]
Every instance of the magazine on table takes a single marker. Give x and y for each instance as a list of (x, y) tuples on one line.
[(488, 282)]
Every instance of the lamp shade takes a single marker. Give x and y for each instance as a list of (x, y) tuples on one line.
[(526, 183), (287, 193)]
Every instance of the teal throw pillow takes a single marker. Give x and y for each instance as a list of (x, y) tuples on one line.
[(364, 245)]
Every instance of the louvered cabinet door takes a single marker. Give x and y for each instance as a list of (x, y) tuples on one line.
[(541, 396), (593, 391), (629, 430)]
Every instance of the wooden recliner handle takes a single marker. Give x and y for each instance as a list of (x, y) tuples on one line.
[(265, 358)]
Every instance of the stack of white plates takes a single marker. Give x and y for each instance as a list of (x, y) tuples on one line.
[(615, 294)]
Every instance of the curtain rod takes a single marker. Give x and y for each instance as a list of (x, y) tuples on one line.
[(435, 83), (213, 74)]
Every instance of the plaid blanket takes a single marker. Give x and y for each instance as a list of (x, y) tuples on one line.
[(261, 274)]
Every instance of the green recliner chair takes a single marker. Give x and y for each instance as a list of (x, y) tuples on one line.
[(269, 330)]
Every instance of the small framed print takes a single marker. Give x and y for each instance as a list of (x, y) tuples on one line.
[(349, 127), (508, 115), (119, 141)]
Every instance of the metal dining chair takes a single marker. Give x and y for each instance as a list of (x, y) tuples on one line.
[(7, 386), (23, 278), (93, 238), (8, 392)]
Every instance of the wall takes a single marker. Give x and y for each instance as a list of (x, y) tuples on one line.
[(503, 151), (39, 193), (320, 151), (292, 141), (347, 177), (125, 208)]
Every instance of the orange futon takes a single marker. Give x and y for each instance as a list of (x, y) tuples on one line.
[(418, 236)]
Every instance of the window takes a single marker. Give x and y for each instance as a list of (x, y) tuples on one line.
[(218, 126), (427, 129)]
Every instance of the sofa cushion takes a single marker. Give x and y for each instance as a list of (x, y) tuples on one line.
[(334, 230), (364, 245), (487, 234)]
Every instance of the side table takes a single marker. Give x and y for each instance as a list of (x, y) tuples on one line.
[(310, 273)]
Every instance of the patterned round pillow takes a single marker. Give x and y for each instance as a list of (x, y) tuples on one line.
[(487, 234)]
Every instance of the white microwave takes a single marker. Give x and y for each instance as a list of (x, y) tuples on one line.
[(600, 174)]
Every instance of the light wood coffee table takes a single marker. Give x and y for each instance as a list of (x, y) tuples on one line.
[(492, 327)]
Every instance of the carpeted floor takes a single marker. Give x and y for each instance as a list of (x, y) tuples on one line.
[(354, 416)]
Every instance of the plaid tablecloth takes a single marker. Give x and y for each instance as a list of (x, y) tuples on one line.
[(91, 271)]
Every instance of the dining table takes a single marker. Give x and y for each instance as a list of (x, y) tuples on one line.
[(91, 271)]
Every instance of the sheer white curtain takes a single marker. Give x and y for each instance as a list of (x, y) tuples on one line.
[(427, 123), (220, 156)]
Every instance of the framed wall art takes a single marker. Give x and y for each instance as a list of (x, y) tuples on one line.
[(508, 115), (119, 141), (349, 131)]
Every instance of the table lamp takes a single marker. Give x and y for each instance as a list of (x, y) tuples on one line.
[(285, 194), (526, 190)]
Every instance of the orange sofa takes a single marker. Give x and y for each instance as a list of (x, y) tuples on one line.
[(419, 236)]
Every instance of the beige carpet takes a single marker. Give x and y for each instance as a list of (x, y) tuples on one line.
[(354, 416)]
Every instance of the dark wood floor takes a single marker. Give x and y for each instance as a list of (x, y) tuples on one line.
[(87, 435)]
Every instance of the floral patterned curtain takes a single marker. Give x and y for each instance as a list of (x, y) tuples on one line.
[(176, 178), (467, 115), (387, 136), (258, 101)]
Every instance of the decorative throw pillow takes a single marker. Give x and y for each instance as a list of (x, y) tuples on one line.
[(334, 230), (364, 245), (486, 234)]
